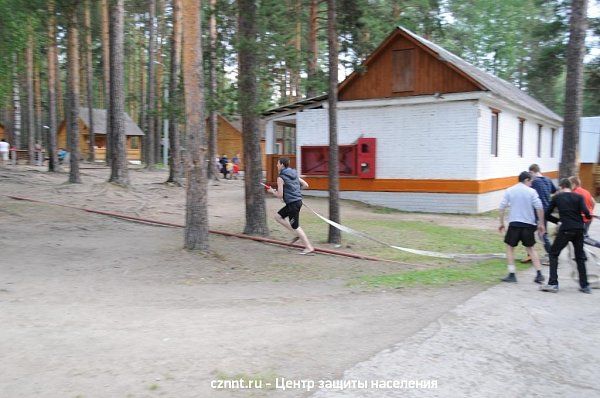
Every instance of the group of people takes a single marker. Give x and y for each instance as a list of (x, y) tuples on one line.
[(532, 202), (229, 168), (5, 149)]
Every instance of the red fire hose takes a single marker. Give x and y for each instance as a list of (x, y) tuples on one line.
[(241, 236)]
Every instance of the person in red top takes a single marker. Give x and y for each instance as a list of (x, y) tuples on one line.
[(589, 201)]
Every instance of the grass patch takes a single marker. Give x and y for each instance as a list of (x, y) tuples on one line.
[(424, 235), (486, 272)]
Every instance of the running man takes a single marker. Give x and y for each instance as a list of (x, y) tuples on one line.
[(522, 200), (289, 187), (570, 208)]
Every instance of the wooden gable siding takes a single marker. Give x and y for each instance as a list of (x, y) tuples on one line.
[(61, 141), (229, 139), (429, 75)]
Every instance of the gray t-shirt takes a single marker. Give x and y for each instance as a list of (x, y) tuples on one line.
[(291, 185), (523, 201)]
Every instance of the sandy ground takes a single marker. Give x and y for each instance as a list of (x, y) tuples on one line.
[(92, 306)]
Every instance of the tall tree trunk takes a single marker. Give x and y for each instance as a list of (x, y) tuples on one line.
[(150, 133), (89, 75), (569, 165), (313, 48), (118, 173), (212, 117), (52, 60), (73, 93), (298, 54), (334, 178), (37, 84), (142, 90), (175, 172), (106, 73), (159, 80), (196, 225), (30, 99), (17, 110), (256, 217)]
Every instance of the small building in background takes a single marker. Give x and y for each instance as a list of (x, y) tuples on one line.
[(421, 129), (230, 141), (589, 154), (132, 131)]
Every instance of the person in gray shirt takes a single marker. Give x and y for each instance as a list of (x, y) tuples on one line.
[(524, 203), (289, 186)]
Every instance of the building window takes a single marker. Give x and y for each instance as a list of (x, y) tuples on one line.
[(403, 70), (495, 115), (135, 142), (552, 138), (521, 132), (539, 141)]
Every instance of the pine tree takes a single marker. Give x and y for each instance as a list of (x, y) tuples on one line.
[(569, 165), (256, 217), (334, 167), (196, 220), (119, 173)]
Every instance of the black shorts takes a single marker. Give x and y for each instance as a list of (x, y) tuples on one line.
[(525, 235), (292, 211)]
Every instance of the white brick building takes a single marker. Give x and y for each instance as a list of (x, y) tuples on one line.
[(437, 150)]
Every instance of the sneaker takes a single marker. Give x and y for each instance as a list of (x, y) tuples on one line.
[(509, 278), (539, 278), (526, 260), (549, 288), (585, 290)]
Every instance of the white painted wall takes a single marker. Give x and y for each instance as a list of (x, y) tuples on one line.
[(508, 162), (422, 141), (436, 140), (589, 139)]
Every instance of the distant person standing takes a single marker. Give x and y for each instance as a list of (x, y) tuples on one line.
[(236, 159), (4, 148), (524, 203), (545, 188), (39, 160), (570, 207), (223, 161)]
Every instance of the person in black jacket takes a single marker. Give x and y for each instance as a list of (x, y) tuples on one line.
[(570, 207)]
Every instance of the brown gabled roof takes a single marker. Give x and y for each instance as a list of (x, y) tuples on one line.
[(99, 117), (492, 83), (482, 79)]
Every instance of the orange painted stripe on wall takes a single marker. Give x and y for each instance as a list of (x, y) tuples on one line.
[(429, 186)]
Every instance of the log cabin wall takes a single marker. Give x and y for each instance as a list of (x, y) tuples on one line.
[(401, 67)]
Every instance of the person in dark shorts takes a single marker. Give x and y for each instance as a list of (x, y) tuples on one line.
[(289, 186), (545, 189), (570, 207), (524, 203)]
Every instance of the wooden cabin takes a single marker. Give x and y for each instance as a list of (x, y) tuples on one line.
[(3, 134), (230, 142), (133, 132), (421, 129)]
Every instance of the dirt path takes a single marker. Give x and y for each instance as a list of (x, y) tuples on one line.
[(97, 307)]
